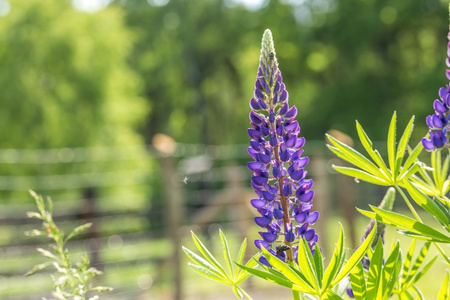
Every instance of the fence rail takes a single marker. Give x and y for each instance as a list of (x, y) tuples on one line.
[(142, 210)]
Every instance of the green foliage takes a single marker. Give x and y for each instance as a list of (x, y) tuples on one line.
[(392, 277), (70, 281), (377, 172), (209, 267), (309, 276)]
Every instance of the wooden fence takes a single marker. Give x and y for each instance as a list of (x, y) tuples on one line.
[(142, 211)]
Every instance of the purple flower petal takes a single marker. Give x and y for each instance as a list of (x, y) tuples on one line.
[(261, 243), (254, 104), (255, 166), (284, 94), (262, 221), (258, 203), (255, 118), (268, 196), (307, 197), (309, 234), (258, 180), (312, 217), (291, 112), (428, 144), (269, 237), (301, 217)]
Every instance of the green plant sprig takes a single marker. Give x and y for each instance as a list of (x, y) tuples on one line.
[(69, 281)]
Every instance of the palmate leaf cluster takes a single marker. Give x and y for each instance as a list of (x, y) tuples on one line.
[(70, 281), (393, 276), (412, 175), (209, 266)]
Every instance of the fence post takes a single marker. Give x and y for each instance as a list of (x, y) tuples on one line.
[(89, 213), (166, 147)]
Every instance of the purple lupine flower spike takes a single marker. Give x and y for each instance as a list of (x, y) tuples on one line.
[(284, 194), (439, 122)]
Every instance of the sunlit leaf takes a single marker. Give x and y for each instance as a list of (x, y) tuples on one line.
[(335, 262), (356, 257), (391, 142), (376, 264), (358, 282), (361, 175), (226, 253)]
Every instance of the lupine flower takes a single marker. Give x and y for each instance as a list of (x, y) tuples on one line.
[(284, 194), (439, 122)]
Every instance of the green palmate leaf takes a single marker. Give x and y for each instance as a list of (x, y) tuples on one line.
[(391, 143), (244, 274), (226, 253), (292, 274), (444, 292), (418, 262), (354, 157), (391, 271), (356, 257), (331, 295), (358, 174), (427, 203), (358, 282), (306, 264), (375, 267), (208, 256), (411, 160), (424, 270), (237, 292), (335, 263), (205, 264), (403, 143), (208, 274), (374, 154), (406, 225), (240, 257), (318, 263), (273, 278)]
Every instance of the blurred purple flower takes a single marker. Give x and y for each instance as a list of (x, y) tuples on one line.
[(279, 178)]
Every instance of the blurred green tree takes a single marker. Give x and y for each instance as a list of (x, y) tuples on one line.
[(65, 81), (341, 60)]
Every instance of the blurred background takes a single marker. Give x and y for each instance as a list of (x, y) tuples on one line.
[(132, 114)]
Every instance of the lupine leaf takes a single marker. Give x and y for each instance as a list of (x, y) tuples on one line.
[(226, 253), (289, 272), (244, 293), (243, 274), (406, 225), (354, 157), (318, 264), (273, 278), (418, 262), (358, 282), (375, 267), (436, 165), (424, 270), (374, 154), (237, 292), (240, 257), (204, 264), (391, 143), (444, 293), (408, 173), (358, 174), (402, 144), (209, 257), (356, 257), (334, 265), (306, 264), (208, 274), (331, 295), (390, 272), (411, 159), (426, 203)]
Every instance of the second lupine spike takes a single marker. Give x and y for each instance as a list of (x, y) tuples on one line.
[(284, 194)]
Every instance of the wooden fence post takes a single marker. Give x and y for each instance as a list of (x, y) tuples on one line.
[(166, 147)]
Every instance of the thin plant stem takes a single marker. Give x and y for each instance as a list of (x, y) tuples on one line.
[(296, 295)]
